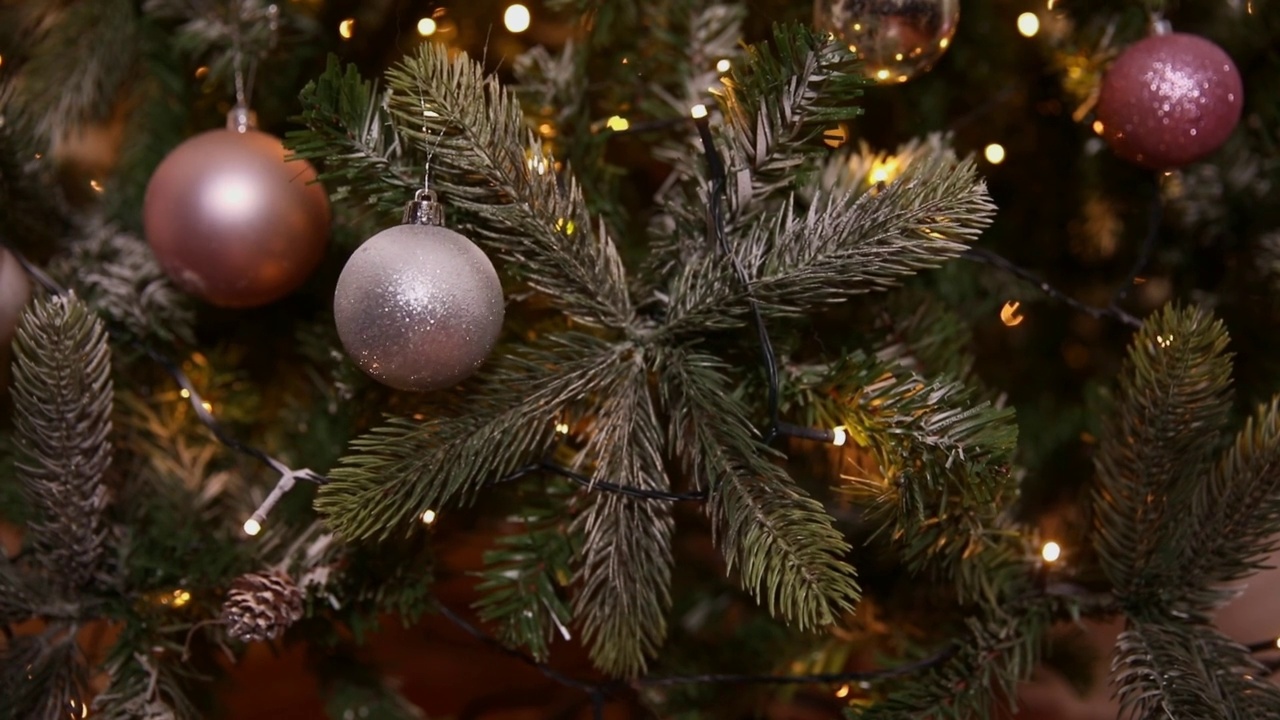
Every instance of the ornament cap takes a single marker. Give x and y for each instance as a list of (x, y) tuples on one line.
[(424, 209), (241, 119)]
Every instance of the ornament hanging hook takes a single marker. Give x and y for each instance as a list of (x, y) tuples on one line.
[(425, 208), (238, 118), (241, 118), (427, 114)]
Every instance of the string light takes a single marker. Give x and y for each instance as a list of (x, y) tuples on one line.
[(1009, 314), (1028, 24), (427, 27), (562, 428), (1098, 127), (843, 691), (839, 436), (723, 66), (517, 18), (185, 393), (994, 153), (698, 111), (1278, 642), (252, 527), (1051, 551), (835, 136), (882, 74), (428, 516), (617, 123), (883, 171), (202, 72), (97, 186), (179, 598), (208, 406), (347, 28)]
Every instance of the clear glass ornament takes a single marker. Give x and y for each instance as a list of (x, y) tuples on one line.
[(896, 39)]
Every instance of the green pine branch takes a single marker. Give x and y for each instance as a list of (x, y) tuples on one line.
[(925, 336), (140, 685), (65, 82), (117, 275), (396, 472), (526, 576), (1173, 400), (34, 208), (220, 33), (489, 164), (624, 571), (159, 96), (781, 542), (41, 676), (1235, 513), (996, 652), (350, 137), (17, 602), (1184, 671), (62, 397), (775, 103), (843, 244), (942, 465)]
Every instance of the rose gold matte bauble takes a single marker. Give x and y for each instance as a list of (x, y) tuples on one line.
[(231, 222), (15, 292)]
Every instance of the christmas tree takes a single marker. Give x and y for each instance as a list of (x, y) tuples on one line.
[(862, 358)]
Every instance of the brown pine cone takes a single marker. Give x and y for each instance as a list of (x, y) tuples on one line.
[(261, 606)]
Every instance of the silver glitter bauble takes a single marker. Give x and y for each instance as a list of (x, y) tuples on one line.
[(418, 306), (895, 39)]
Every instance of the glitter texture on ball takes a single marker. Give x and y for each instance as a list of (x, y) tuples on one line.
[(418, 307), (1170, 100)]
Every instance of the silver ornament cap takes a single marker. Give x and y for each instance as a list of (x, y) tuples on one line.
[(418, 306)]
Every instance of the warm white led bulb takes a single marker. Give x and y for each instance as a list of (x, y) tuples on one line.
[(427, 27), (1051, 551), (428, 517), (1028, 24), (839, 436), (252, 527), (698, 111), (994, 153), (517, 18)]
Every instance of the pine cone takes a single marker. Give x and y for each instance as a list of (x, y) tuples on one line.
[(260, 606)]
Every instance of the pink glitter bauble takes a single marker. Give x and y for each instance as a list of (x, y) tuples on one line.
[(1169, 100)]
